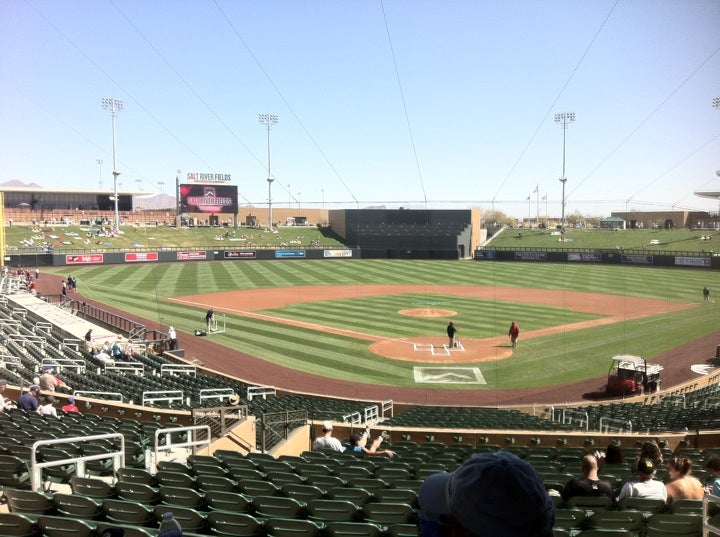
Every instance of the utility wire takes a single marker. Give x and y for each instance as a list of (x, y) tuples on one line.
[(557, 98), (404, 104), (284, 100)]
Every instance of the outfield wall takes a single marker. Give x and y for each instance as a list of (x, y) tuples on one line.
[(176, 256), (613, 257)]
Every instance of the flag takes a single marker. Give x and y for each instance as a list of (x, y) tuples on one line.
[(536, 189), (528, 197), (545, 197)]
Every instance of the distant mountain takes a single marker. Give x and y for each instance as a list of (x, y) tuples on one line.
[(17, 183), (155, 203)]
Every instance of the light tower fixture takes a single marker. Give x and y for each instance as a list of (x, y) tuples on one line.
[(269, 120), (564, 119), (114, 106), (100, 163)]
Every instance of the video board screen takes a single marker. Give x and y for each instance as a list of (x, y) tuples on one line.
[(211, 199)]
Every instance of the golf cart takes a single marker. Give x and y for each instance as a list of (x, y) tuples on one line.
[(632, 375)]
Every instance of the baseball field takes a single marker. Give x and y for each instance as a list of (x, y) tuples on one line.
[(382, 322)]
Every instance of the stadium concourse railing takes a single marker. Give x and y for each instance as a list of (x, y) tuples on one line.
[(606, 251)]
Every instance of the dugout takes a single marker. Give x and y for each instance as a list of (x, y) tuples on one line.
[(408, 233)]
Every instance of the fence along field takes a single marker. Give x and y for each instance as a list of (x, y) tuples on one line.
[(565, 357)]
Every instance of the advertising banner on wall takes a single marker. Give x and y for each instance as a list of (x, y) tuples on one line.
[(191, 256), (84, 258), (234, 254), (135, 257), (211, 199)]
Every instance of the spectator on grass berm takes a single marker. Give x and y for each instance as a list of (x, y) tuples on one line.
[(451, 331), (28, 400), (327, 440), (682, 485), (48, 407), (644, 486), (490, 494), (590, 484), (358, 442)]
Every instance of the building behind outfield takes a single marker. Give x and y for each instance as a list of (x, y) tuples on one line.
[(409, 233)]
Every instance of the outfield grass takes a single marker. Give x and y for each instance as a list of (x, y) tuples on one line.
[(567, 357)]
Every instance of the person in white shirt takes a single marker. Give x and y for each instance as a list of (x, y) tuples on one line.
[(48, 409), (327, 440), (645, 486)]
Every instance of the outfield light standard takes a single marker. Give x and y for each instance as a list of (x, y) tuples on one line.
[(269, 120), (100, 163), (563, 119), (115, 106)]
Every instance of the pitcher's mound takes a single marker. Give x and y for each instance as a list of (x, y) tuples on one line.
[(427, 312)]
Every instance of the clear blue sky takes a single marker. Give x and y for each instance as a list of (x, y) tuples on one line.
[(392, 102)]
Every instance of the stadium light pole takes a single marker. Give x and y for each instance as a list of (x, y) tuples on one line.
[(269, 120), (114, 106), (177, 199), (563, 119), (100, 163)]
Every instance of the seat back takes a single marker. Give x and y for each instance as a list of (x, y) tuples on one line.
[(17, 525), (74, 505), (338, 510), (58, 526), (231, 524), (29, 502)]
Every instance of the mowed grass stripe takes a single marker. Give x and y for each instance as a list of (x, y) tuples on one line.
[(379, 315)]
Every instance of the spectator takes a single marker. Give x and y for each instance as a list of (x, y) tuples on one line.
[(645, 486), (713, 466), (172, 336), (650, 450), (358, 442), (327, 440), (590, 484), (47, 381), (490, 494), (4, 401), (48, 408), (116, 351), (88, 340), (682, 485), (614, 454), (169, 527), (28, 400), (70, 406)]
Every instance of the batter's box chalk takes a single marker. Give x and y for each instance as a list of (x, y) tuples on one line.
[(423, 347), (448, 375)]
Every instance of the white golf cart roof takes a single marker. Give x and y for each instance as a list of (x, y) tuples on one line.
[(636, 363)]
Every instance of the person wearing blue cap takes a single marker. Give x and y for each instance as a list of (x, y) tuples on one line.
[(70, 406), (489, 494)]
